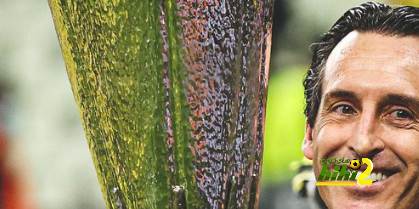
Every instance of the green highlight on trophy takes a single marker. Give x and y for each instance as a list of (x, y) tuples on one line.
[(172, 97)]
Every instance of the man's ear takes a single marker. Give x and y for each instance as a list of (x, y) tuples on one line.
[(308, 142)]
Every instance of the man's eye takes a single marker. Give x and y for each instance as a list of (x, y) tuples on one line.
[(345, 109), (401, 114)]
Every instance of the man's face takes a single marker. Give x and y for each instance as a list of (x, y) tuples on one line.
[(370, 108)]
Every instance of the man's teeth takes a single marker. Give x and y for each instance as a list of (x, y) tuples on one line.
[(379, 176), (373, 176)]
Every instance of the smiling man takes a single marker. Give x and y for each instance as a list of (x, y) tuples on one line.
[(362, 95)]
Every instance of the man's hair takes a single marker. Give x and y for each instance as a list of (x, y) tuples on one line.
[(369, 17)]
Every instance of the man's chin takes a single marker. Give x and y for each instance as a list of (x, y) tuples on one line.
[(346, 202)]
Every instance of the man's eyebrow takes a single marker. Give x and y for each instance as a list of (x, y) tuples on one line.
[(400, 99), (340, 94)]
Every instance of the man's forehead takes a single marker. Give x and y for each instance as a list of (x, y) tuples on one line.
[(364, 45), (372, 51), (373, 64)]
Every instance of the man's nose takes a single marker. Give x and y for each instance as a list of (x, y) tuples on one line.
[(366, 141)]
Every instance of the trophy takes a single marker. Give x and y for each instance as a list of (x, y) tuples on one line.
[(172, 97)]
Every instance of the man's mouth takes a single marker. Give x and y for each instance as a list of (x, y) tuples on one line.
[(382, 179), (375, 175)]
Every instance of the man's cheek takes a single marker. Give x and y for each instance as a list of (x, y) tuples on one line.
[(404, 143), (330, 139)]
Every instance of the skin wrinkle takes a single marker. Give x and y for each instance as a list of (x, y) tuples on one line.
[(375, 88), (338, 77), (323, 122)]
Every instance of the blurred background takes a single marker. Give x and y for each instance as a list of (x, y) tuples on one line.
[(44, 158)]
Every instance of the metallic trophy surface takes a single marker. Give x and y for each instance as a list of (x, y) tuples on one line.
[(172, 97)]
